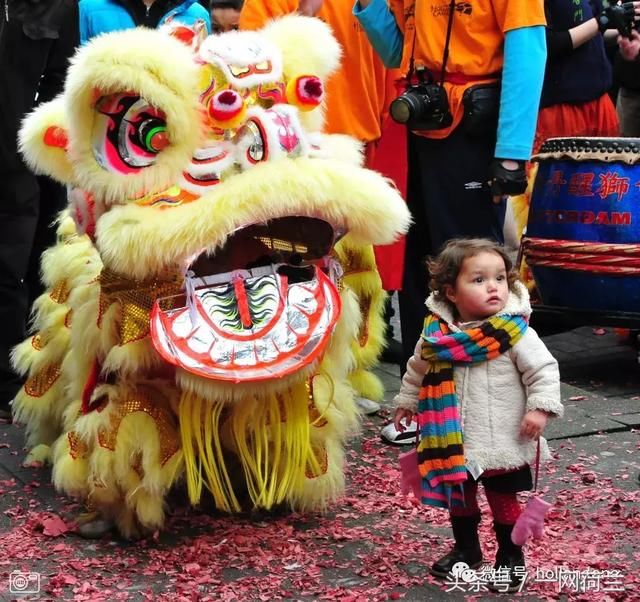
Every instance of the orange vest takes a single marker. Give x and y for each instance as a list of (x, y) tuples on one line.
[(476, 45), (358, 94)]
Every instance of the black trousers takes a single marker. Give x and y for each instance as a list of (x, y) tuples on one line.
[(448, 198), (35, 44)]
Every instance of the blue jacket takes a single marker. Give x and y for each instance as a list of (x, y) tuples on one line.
[(103, 16)]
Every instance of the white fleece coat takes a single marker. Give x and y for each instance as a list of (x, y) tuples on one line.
[(494, 395)]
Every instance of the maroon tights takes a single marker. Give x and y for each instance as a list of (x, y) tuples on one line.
[(504, 506)]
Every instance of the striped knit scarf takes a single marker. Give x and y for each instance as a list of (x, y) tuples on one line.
[(440, 452)]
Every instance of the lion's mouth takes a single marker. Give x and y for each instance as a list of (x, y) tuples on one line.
[(261, 307)]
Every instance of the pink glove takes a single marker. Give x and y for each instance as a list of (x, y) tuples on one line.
[(410, 479), (530, 522)]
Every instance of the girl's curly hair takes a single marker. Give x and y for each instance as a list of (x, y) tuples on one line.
[(444, 268)]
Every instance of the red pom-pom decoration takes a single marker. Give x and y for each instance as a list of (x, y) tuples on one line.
[(56, 137), (306, 92), (227, 108)]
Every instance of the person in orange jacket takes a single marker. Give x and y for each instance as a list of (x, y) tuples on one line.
[(357, 99)]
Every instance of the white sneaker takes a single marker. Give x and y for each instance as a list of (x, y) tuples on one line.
[(389, 434), (367, 406)]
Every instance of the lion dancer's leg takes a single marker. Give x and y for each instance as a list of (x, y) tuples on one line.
[(361, 276), (43, 399), (120, 452), (122, 456)]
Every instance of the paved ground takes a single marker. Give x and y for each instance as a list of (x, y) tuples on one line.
[(374, 544)]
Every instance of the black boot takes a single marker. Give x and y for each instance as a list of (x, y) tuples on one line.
[(466, 549), (509, 568)]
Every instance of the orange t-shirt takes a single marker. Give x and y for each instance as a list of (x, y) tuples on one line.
[(476, 45), (358, 93)]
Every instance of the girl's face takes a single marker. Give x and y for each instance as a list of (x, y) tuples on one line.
[(481, 289)]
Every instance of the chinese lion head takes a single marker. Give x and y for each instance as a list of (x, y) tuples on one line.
[(199, 325)]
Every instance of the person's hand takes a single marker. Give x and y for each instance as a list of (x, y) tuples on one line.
[(630, 48), (533, 424), (402, 415), (507, 177), (619, 17), (309, 8)]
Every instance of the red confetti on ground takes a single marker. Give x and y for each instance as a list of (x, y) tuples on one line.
[(373, 545)]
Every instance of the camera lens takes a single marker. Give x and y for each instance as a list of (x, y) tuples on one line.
[(400, 110)]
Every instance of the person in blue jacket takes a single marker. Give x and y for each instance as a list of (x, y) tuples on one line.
[(103, 16)]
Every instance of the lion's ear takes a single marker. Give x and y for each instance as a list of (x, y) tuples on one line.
[(307, 44), (43, 141)]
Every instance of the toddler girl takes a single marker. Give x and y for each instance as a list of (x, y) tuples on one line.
[(483, 386)]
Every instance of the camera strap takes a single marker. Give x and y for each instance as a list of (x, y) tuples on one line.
[(445, 54)]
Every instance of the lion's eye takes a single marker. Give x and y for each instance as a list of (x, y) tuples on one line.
[(152, 135)]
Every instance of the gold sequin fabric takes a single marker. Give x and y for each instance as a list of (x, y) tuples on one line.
[(77, 447), (136, 299), (365, 309), (352, 262), (315, 417), (323, 461), (38, 384), (60, 292), (38, 341), (142, 401)]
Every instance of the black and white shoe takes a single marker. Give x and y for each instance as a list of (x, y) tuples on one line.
[(390, 435)]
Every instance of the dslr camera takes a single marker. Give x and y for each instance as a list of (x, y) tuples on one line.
[(620, 16), (422, 106)]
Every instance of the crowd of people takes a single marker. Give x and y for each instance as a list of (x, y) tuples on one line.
[(479, 86)]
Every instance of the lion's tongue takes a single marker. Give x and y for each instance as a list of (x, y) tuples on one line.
[(251, 329)]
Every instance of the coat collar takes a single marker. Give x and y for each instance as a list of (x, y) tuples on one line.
[(517, 304)]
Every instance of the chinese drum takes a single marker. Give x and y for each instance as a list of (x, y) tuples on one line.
[(582, 242)]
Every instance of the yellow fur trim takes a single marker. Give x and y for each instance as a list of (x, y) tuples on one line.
[(367, 384), (341, 147), (40, 454), (135, 358), (43, 159), (133, 455), (307, 46), (230, 392), (69, 475), (129, 61), (362, 277), (316, 492), (141, 242), (75, 257), (37, 395)]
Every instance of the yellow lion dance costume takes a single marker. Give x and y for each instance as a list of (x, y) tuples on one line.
[(197, 326)]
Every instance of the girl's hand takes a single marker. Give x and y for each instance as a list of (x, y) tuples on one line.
[(533, 423), (402, 413)]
